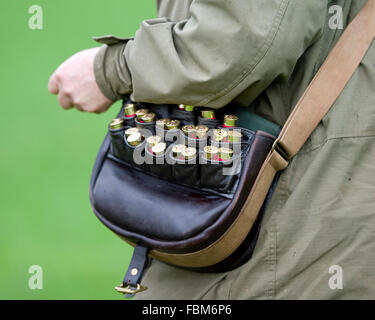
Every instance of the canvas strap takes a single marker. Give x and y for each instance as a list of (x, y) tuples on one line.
[(329, 81)]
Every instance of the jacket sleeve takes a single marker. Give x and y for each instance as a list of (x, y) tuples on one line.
[(224, 48)]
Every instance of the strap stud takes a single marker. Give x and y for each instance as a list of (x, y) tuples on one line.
[(134, 271)]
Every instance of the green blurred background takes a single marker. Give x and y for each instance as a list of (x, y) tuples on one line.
[(47, 153)]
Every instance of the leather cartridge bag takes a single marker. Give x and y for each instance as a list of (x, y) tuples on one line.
[(192, 215)]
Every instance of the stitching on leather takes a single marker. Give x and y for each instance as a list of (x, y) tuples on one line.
[(257, 58)]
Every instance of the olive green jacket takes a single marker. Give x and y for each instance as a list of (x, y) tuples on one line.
[(317, 239)]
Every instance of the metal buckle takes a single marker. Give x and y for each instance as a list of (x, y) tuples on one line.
[(129, 290), (280, 150)]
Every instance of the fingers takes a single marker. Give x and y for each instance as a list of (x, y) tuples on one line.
[(65, 100), (102, 108), (53, 86)]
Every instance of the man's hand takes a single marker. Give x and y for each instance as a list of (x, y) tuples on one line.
[(74, 82)]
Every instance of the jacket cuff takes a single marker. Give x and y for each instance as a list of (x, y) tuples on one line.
[(112, 79)]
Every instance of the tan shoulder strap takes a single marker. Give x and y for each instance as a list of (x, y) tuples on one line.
[(329, 81)]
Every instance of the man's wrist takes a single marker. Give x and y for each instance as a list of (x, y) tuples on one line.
[(109, 74)]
